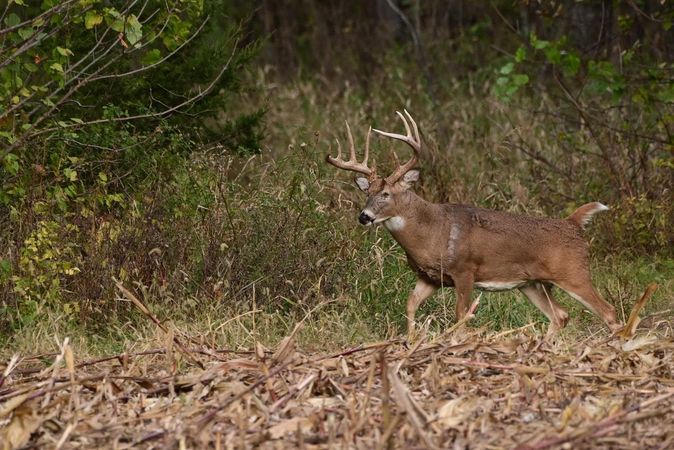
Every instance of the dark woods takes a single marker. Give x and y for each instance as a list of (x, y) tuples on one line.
[(350, 39)]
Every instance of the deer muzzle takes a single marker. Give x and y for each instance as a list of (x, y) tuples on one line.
[(365, 218)]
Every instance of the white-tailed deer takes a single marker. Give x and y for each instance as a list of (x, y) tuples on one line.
[(467, 247)]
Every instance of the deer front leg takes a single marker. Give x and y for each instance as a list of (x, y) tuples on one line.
[(422, 290), (463, 285)]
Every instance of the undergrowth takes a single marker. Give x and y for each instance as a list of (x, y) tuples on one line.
[(238, 250)]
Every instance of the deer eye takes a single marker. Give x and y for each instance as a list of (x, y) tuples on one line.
[(385, 194)]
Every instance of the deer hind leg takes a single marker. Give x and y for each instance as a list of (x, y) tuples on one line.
[(541, 296), (581, 289), (422, 290)]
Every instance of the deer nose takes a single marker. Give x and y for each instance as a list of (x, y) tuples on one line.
[(365, 218)]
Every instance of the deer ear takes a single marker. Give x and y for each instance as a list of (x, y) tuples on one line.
[(363, 184), (410, 177)]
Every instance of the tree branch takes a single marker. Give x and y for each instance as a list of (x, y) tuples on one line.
[(150, 66), (50, 11), (160, 114)]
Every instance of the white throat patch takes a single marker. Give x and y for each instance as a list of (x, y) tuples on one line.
[(395, 223)]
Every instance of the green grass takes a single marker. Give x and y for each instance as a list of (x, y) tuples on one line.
[(374, 311), (233, 252)]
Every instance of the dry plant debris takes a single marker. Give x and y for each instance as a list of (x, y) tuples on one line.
[(465, 389)]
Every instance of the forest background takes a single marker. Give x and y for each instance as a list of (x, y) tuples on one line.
[(177, 148)]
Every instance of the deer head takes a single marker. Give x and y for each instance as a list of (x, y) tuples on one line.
[(383, 194)]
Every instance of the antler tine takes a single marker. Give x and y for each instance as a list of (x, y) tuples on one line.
[(406, 137), (412, 139), (367, 147), (352, 147), (408, 132), (396, 159), (352, 164), (414, 125)]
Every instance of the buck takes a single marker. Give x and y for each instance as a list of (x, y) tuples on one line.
[(466, 247)]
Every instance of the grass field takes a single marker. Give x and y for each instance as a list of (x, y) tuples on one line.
[(180, 267), (334, 323), (228, 258), (239, 250)]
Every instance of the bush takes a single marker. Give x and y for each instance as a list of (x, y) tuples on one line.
[(99, 106)]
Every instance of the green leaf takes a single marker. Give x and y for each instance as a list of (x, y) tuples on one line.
[(30, 67), (639, 97), (520, 54), (64, 51), (12, 20), (5, 267), (539, 45), (570, 64), (77, 120), (151, 57), (134, 32), (70, 174), (92, 19), (7, 135), (11, 163), (114, 19), (666, 94), (18, 2), (601, 69), (26, 32), (103, 177), (553, 55), (508, 68), (56, 67), (520, 79)]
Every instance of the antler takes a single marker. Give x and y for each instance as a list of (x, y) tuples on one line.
[(413, 140), (352, 164)]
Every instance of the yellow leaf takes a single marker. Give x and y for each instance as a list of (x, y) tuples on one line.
[(92, 19)]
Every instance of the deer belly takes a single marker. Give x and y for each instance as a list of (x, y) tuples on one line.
[(499, 285)]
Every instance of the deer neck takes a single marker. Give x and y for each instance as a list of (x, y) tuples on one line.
[(414, 219)]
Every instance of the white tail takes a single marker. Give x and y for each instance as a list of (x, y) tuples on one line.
[(583, 215)]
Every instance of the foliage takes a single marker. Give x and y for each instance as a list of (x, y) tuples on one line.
[(167, 165), (99, 103), (618, 114), (43, 264)]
